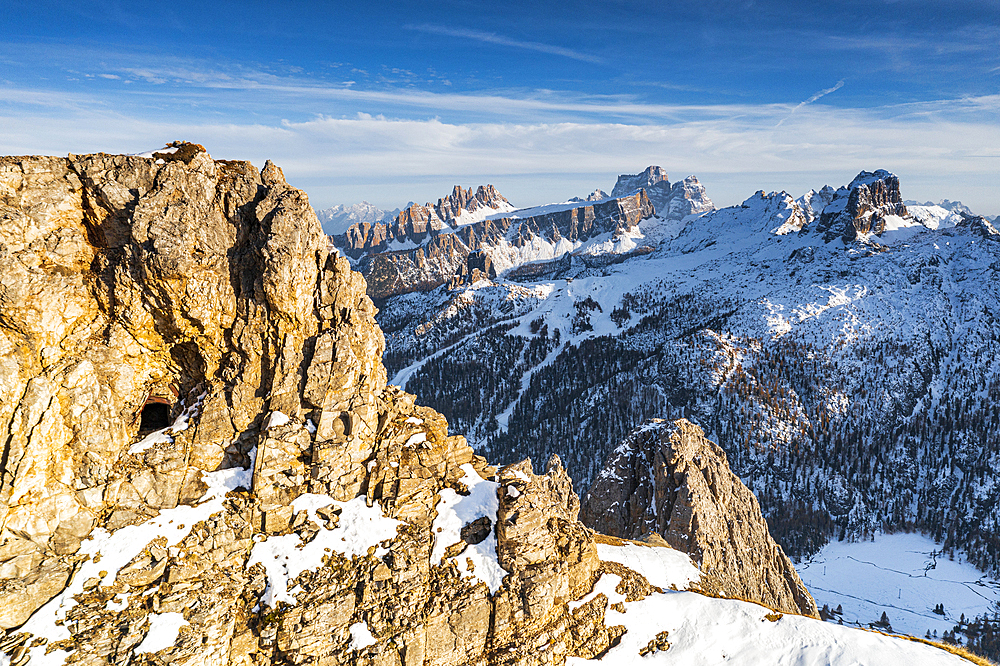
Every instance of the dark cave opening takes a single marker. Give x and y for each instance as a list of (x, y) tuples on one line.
[(155, 416)]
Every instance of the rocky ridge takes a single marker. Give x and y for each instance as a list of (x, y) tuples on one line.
[(416, 223), (510, 241), (666, 480), (427, 246), (978, 225), (863, 206), (597, 195)]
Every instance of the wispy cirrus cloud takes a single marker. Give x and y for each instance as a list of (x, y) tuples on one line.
[(389, 143), (493, 38)]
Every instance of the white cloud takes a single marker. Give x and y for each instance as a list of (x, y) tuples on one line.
[(736, 149)]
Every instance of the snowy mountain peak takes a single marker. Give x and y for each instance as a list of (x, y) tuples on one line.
[(758, 217), (416, 223), (978, 225), (686, 197), (451, 208), (597, 195), (870, 177), (671, 201), (947, 204), (339, 218)]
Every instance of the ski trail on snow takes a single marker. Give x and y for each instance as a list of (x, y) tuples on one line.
[(403, 376)]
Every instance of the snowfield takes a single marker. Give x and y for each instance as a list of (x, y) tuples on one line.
[(903, 575), (705, 631), (455, 511)]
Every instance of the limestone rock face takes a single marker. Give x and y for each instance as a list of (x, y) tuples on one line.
[(416, 223), (650, 177), (202, 460), (666, 479), (552, 560), (200, 284)]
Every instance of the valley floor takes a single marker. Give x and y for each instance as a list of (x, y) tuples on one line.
[(903, 575)]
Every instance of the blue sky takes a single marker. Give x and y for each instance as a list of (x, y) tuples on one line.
[(391, 103)]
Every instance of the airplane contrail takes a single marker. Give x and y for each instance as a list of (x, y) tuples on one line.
[(821, 93)]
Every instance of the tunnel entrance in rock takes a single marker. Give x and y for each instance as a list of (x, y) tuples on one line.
[(155, 415)]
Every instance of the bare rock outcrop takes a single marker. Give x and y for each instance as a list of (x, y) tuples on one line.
[(666, 479), (416, 223), (194, 285), (648, 178), (861, 207), (202, 462)]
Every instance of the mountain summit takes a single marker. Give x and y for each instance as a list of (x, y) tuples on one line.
[(340, 218), (673, 202)]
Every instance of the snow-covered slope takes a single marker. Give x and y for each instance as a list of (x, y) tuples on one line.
[(682, 627), (706, 631)]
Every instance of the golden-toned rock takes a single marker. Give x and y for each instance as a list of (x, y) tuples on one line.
[(196, 418)]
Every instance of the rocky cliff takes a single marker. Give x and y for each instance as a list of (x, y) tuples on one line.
[(202, 462), (651, 177), (667, 480), (863, 206), (417, 223)]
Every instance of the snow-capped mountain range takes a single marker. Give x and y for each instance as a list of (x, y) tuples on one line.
[(340, 218), (427, 246), (841, 346)]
